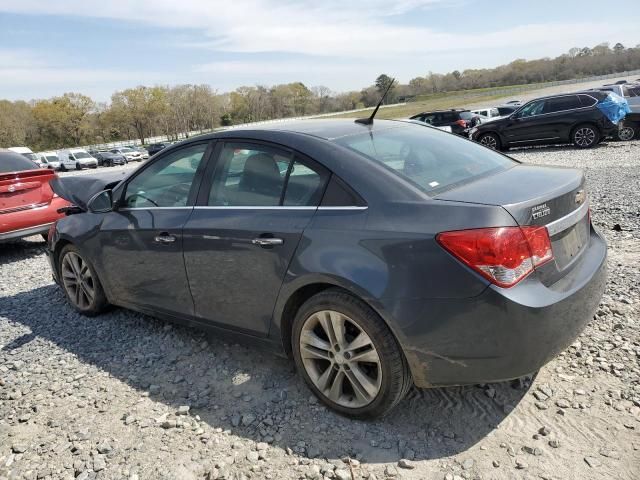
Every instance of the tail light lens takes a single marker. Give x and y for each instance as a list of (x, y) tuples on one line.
[(503, 255), (462, 123)]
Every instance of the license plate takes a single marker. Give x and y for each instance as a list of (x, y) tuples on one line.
[(572, 242)]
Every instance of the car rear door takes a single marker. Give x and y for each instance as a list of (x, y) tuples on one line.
[(560, 115), (141, 241), (252, 209)]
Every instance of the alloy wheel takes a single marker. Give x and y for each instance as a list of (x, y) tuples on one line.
[(78, 281), (489, 141), (340, 359), (626, 134), (585, 136)]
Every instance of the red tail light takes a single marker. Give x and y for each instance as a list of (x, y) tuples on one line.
[(503, 255), (462, 123)]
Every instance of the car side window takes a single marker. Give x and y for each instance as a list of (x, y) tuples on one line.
[(531, 109), (561, 104), (249, 175), (167, 181), (305, 184)]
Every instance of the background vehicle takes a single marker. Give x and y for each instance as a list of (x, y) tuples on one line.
[(108, 159), (156, 147), (487, 113), (360, 241), (129, 153), (567, 118), (460, 121), (27, 203), (630, 127), (25, 152), (49, 160), (76, 158)]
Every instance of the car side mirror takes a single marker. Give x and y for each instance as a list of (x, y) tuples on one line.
[(101, 202)]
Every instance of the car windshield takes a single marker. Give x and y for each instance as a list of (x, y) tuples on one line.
[(126, 150), (31, 156), (430, 159), (466, 115), (51, 158), (79, 155)]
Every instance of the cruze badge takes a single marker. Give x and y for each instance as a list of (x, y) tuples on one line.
[(540, 211), (580, 197)]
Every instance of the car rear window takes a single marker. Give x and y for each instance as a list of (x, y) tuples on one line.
[(430, 159), (14, 162), (466, 115)]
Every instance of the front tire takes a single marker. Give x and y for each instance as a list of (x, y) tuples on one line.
[(585, 136), (348, 356), (490, 140), (80, 282)]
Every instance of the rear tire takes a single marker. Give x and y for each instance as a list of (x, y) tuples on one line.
[(348, 356), (585, 136), (626, 133), (80, 282), (490, 140)]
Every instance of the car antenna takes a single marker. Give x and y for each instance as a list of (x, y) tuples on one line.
[(369, 121)]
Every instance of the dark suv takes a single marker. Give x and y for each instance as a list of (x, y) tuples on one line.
[(569, 118), (157, 147), (460, 121)]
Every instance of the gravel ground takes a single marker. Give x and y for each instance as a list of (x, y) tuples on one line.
[(124, 396)]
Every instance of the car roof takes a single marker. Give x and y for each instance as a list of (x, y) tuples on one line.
[(327, 129)]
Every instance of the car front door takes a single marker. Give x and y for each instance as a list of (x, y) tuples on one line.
[(141, 240), (252, 210), (526, 125)]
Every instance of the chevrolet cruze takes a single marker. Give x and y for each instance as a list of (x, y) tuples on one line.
[(377, 256)]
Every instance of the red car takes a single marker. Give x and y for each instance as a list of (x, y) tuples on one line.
[(28, 206)]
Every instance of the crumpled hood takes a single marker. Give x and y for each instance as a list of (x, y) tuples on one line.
[(79, 189)]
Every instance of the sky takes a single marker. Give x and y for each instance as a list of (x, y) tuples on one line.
[(48, 47)]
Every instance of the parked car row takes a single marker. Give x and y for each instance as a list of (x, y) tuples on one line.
[(582, 118), (79, 158)]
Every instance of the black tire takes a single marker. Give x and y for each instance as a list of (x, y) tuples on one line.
[(78, 166), (99, 302), (63, 168), (627, 133), (490, 140), (585, 136), (396, 377)]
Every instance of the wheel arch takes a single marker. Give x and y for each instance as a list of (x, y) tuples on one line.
[(293, 296)]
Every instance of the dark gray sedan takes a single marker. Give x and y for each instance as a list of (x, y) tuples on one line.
[(377, 256)]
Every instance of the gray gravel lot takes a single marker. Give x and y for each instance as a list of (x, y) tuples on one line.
[(124, 396)]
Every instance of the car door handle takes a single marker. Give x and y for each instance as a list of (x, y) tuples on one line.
[(164, 238), (267, 241)]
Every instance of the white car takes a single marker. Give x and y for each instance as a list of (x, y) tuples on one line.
[(48, 160), (77, 158), (129, 153), (487, 112), (25, 152)]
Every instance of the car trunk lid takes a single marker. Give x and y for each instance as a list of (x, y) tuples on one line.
[(538, 195), (25, 190)]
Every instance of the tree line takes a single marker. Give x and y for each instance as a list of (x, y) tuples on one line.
[(142, 112)]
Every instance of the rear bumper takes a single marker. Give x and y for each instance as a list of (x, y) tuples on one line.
[(502, 333)]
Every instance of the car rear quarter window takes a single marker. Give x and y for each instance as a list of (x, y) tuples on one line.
[(587, 100), (432, 160)]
